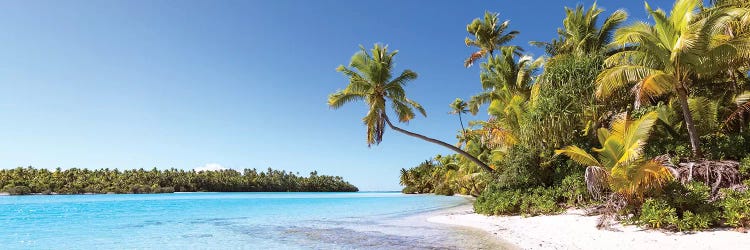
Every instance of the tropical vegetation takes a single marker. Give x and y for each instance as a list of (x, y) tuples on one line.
[(645, 120), (138, 181)]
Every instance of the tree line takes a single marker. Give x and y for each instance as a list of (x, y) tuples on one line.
[(137, 181)]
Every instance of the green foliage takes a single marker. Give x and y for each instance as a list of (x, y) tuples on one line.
[(696, 222), (573, 190), (443, 189), (140, 181), (745, 167), (520, 168), (563, 112), (658, 214), (692, 58), (681, 207), (16, 190), (528, 202), (694, 196), (720, 146), (736, 207)]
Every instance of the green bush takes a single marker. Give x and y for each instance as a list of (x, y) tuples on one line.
[(696, 222), (694, 196), (720, 146), (443, 189), (409, 190), (16, 190), (658, 214), (573, 190), (736, 207), (527, 202), (681, 207), (745, 167), (520, 169)]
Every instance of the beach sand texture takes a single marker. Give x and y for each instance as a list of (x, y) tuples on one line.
[(575, 230)]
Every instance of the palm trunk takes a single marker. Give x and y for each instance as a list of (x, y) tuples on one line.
[(688, 117), (438, 142), (462, 123)]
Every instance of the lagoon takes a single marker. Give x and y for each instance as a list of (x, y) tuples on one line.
[(363, 220)]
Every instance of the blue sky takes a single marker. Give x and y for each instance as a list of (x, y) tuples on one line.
[(131, 84)]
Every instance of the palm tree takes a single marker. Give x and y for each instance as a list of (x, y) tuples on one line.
[(667, 56), (743, 109), (371, 81), (507, 85), (489, 36), (503, 77), (459, 107), (580, 33), (621, 166)]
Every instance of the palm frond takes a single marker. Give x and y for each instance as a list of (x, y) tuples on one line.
[(578, 155)]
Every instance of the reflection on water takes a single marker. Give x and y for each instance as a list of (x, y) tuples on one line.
[(234, 221)]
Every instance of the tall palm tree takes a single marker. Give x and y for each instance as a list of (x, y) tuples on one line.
[(371, 81), (666, 57), (507, 85), (459, 107), (580, 33), (489, 36), (621, 166)]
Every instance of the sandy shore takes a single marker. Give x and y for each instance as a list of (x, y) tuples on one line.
[(574, 230)]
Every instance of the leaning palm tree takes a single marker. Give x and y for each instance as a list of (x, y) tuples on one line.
[(371, 81), (665, 58), (459, 107), (621, 166), (580, 32), (488, 35)]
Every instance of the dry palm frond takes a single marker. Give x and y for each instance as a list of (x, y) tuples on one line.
[(597, 180)]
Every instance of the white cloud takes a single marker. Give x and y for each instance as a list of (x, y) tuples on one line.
[(210, 167)]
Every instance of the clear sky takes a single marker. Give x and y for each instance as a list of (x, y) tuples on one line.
[(243, 84)]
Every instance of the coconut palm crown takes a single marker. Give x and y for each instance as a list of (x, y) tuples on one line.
[(621, 166), (580, 33), (489, 36), (666, 57), (371, 81)]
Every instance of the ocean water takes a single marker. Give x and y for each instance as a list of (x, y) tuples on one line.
[(364, 220)]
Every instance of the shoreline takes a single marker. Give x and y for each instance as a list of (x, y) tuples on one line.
[(574, 230)]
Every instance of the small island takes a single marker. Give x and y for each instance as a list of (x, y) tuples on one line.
[(20, 181)]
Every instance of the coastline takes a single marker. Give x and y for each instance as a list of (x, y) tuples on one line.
[(575, 230)]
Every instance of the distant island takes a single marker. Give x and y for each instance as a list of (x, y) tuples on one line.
[(29, 180)]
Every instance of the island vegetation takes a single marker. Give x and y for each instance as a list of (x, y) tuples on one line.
[(644, 121), (139, 181)]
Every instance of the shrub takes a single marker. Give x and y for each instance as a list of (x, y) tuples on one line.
[(736, 207), (695, 222), (520, 169), (16, 190), (444, 189), (163, 190), (527, 201), (681, 207), (409, 190), (745, 167), (720, 146), (694, 196), (658, 214), (573, 190)]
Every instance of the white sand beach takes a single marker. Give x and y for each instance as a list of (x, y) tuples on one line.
[(575, 230)]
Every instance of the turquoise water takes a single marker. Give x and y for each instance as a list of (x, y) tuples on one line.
[(230, 221)]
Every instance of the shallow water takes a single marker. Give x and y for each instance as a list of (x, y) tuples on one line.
[(364, 220)]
